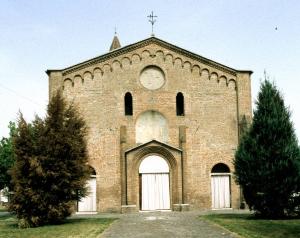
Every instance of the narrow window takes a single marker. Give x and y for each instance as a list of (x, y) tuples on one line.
[(179, 104), (128, 104)]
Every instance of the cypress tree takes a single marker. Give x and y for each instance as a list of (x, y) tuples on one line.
[(267, 161), (51, 166), (23, 178)]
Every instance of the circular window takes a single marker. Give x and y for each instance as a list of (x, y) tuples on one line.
[(152, 78)]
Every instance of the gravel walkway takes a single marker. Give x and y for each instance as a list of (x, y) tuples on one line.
[(164, 224)]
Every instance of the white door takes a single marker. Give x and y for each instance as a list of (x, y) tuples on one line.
[(155, 191), (3, 198), (88, 203), (155, 187), (220, 191)]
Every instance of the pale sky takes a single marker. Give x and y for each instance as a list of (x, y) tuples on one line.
[(39, 35)]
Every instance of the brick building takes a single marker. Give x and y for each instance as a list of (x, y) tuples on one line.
[(163, 126)]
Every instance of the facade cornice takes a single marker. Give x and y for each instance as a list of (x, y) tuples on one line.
[(152, 40)]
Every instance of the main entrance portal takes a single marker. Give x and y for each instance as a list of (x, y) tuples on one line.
[(154, 184)]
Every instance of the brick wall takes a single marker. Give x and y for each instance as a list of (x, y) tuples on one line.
[(214, 102)]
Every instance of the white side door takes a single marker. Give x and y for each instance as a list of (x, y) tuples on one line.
[(220, 186), (88, 203)]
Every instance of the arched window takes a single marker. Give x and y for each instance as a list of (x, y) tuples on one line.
[(220, 168), (179, 104), (128, 104)]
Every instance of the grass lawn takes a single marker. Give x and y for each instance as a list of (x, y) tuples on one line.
[(3, 209), (247, 226), (78, 227)]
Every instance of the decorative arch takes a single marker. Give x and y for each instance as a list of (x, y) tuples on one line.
[(223, 80), (87, 77), (145, 54), (135, 58), (78, 80), (205, 73), (196, 69), (107, 68), (187, 66), (155, 150), (97, 72), (178, 62), (169, 58), (116, 64), (87, 74), (232, 84), (160, 55), (214, 77), (68, 83), (126, 62)]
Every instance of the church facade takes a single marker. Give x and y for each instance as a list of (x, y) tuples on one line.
[(163, 126)]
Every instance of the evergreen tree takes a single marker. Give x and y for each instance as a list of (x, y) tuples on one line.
[(51, 169), (267, 162), (6, 157)]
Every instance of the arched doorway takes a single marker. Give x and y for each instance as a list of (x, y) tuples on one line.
[(88, 203), (154, 183), (220, 186)]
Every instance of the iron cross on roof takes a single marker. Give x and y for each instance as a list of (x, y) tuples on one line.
[(152, 21)]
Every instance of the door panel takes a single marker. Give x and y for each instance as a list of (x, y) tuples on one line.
[(88, 203), (155, 191), (220, 186)]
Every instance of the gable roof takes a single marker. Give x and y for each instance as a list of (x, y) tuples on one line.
[(152, 39)]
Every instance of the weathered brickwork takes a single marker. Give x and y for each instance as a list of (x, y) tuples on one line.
[(216, 97)]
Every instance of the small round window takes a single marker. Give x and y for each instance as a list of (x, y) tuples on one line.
[(152, 77)]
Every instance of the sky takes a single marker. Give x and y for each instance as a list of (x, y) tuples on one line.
[(38, 35)]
